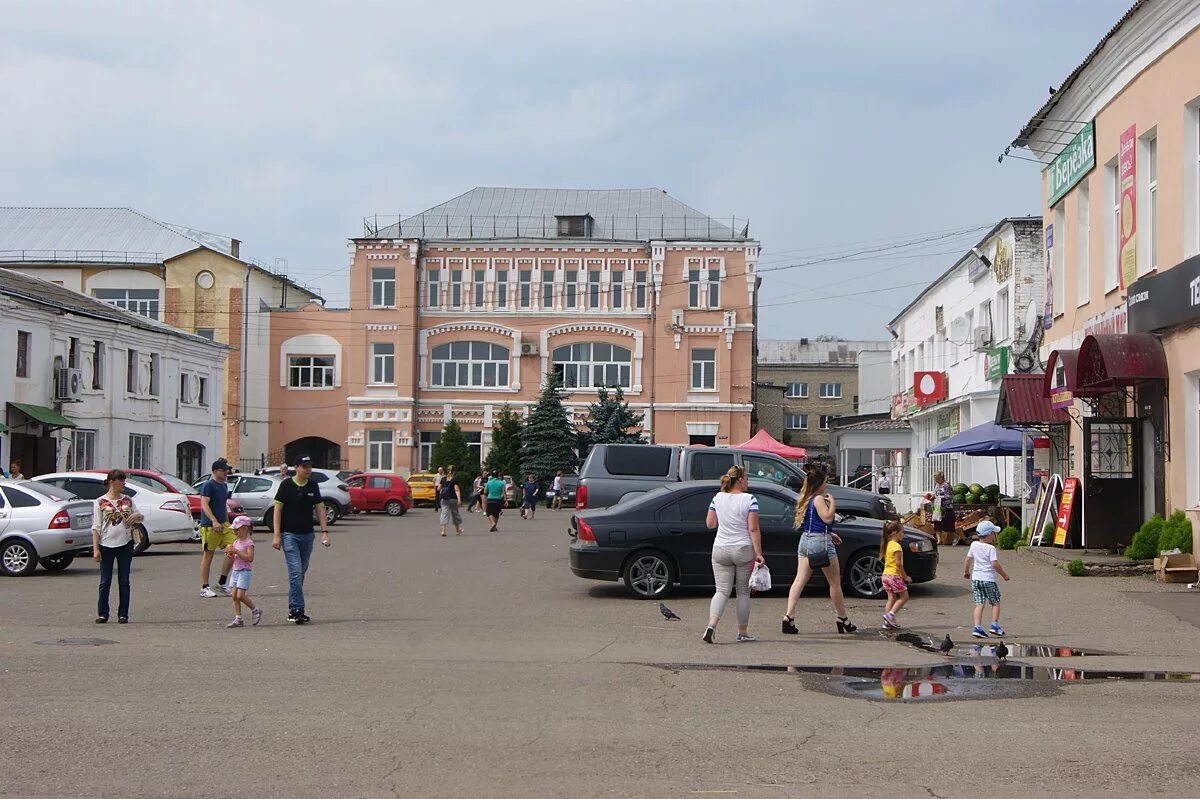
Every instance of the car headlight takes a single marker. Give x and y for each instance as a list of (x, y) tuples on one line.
[(921, 545)]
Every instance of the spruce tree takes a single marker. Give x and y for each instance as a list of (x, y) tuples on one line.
[(610, 421), (549, 439), (452, 449), (505, 454)]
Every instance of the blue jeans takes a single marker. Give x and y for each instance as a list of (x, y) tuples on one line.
[(123, 555), (297, 550)]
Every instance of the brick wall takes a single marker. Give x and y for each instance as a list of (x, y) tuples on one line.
[(814, 438)]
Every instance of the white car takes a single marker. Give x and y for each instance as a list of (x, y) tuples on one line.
[(168, 516), (41, 524)]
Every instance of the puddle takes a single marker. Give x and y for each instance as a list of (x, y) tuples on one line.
[(75, 642), (979, 647)]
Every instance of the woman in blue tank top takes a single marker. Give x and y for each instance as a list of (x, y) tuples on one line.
[(815, 511)]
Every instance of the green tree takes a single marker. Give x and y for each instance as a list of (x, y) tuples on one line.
[(610, 421), (452, 449), (505, 454), (549, 439)]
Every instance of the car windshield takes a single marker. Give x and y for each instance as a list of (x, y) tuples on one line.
[(47, 490), (177, 485)]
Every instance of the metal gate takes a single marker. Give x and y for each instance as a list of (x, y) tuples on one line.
[(1112, 480)]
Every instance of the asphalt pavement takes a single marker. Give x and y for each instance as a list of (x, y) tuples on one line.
[(479, 666)]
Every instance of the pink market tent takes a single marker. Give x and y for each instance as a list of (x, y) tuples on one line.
[(765, 442)]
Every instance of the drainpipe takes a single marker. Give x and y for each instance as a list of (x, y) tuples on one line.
[(416, 359), (245, 334)]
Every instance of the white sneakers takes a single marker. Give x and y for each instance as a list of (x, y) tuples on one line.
[(207, 592)]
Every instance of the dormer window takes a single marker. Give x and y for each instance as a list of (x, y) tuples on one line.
[(575, 227)]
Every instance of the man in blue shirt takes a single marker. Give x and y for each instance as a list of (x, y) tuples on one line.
[(215, 532), (530, 490)]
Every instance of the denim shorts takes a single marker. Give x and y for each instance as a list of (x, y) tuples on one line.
[(985, 592), (812, 543), (239, 578)]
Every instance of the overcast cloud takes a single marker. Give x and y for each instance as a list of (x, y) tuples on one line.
[(284, 124)]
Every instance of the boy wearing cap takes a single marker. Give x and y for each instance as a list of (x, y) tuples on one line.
[(215, 532), (981, 567), (241, 554)]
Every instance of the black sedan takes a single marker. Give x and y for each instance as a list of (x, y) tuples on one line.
[(660, 539)]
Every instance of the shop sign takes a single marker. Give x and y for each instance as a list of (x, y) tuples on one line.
[(1128, 181), (1066, 506), (995, 363), (1060, 395), (1076, 160), (930, 387), (947, 423), (903, 404), (1165, 300), (1112, 321), (1048, 315)]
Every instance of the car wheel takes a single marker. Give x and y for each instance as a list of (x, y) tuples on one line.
[(17, 558), (142, 547), (333, 512), (864, 575), (56, 563), (394, 507), (649, 575)]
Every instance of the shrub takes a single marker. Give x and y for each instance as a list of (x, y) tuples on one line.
[(1075, 568), (1009, 538), (1145, 544), (1176, 533), (1048, 532)]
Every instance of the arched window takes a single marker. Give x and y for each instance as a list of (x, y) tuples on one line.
[(470, 364), (593, 364)]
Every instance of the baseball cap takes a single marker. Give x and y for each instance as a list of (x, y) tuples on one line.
[(243, 521), (986, 528), (220, 463), (304, 460)]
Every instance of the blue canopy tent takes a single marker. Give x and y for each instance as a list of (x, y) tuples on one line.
[(987, 439)]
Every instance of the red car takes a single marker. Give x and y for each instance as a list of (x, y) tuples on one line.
[(386, 492), (172, 484)]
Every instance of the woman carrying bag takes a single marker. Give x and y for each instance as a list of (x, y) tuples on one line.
[(114, 528), (815, 512), (737, 548)]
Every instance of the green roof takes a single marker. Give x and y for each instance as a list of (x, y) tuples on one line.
[(40, 413)]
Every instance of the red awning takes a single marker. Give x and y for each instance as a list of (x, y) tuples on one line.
[(765, 442), (1109, 361), (1068, 361), (1023, 403)]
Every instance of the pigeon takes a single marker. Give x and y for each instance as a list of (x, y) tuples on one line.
[(667, 613), (946, 645), (1001, 651)]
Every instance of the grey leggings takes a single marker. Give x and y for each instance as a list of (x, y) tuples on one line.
[(732, 564)]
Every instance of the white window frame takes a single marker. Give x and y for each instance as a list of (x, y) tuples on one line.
[(138, 301), (383, 288), (826, 421), (83, 450), (640, 289), (795, 421), (617, 300), (834, 390), (712, 292), (427, 440), (24, 352), (594, 278), (1112, 226), (525, 289), (131, 371), (1003, 314), (202, 395), (383, 363), (1057, 262), (381, 446), (502, 289), (547, 298), (571, 290), (695, 287), (155, 374), (1083, 245), (456, 290), (705, 378), (185, 388), (576, 360), (141, 451), (98, 365), (1152, 208), (433, 288), (469, 372), (800, 393), (300, 365), (478, 287)]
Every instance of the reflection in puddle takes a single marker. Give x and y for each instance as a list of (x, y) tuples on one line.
[(973, 648)]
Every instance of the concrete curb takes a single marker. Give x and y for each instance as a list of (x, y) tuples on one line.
[(1092, 568)]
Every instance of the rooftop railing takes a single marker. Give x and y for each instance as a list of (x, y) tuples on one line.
[(80, 256), (608, 228)]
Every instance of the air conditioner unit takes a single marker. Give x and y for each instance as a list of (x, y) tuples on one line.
[(68, 384), (983, 339), (529, 348)]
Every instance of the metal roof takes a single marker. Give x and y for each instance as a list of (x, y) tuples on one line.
[(876, 424), (97, 235), (43, 292), (1023, 402), (514, 213), (813, 352)]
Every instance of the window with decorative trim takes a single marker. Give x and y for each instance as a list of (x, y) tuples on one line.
[(310, 371), (433, 288), (131, 371), (593, 279), (704, 369), (469, 364), (23, 339), (795, 421), (593, 364), (383, 362), (694, 293), (456, 288), (571, 293), (98, 365), (524, 288), (714, 288), (380, 444), (548, 289), (383, 287), (83, 450), (618, 290), (797, 391), (141, 448), (502, 288), (1152, 208), (478, 281), (639, 289)]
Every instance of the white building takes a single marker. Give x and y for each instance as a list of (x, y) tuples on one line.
[(969, 327), (90, 386)]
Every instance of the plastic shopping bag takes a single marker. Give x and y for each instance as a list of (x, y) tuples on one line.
[(937, 509), (760, 578)]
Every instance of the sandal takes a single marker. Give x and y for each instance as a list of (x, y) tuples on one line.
[(789, 625)]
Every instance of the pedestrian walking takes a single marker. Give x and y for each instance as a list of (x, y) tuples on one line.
[(241, 555), (943, 509), (895, 579), (114, 527), (885, 483), (736, 549), (438, 479), (815, 511), (556, 490), (981, 567), (476, 494), (529, 492), (450, 496), (494, 490), (215, 533), (296, 500)]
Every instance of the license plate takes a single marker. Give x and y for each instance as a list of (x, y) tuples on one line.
[(84, 521)]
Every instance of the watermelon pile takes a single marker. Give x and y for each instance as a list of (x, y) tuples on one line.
[(975, 494)]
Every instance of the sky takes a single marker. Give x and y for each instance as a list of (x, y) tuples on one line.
[(832, 127)]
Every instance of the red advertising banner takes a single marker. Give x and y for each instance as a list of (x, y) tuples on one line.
[(1066, 506), (1127, 176)]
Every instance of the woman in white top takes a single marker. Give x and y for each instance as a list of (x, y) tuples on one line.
[(114, 517), (736, 549)]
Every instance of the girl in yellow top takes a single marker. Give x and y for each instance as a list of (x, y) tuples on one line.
[(895, 579)]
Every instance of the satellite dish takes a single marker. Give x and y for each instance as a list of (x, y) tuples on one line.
[(1031, 318)]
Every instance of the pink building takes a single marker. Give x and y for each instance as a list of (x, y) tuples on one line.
[(462, 309)]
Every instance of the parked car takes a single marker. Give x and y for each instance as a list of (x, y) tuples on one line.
[(172, 484), (660, 539), (334, 490), (380, 492), (570, 483), (256, 494), (420, 484), (41, 524), (168, 518), (613, 472)]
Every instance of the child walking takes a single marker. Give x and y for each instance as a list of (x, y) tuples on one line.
[(895, 579), (981, 567), (242, 552)]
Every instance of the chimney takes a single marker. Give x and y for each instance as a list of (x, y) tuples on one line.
[(235, 248)]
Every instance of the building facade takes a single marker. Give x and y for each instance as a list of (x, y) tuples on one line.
[(953, 345), (461, 310), (90, 386), (187, 278), (820, 381), (1121, 206)]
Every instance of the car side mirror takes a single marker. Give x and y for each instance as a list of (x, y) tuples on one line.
[(795, 483)]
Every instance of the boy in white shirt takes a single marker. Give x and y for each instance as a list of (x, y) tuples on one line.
[(981, 567)]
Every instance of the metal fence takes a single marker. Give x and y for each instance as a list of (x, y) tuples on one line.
[(80, 256), (615, 228)]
